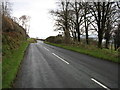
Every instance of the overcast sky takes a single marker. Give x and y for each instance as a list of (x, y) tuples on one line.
[(41, 23)]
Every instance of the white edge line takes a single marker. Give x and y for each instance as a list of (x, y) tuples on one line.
[(60, 58), (46, 49), (100, 83)]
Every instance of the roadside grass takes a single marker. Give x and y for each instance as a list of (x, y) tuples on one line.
[(11, 63), (31, 40), (92, 51), (0, 74)]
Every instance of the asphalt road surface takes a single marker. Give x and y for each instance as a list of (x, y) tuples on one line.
[(46, 66)]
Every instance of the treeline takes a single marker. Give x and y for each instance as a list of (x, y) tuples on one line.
[(76, 18)]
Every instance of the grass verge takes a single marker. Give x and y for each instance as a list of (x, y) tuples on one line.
[(92, 51), (10, 65), (31, 40)]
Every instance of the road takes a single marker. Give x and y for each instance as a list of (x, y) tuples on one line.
[(46, 66)]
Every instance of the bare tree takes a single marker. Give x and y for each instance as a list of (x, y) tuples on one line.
[(110, 24), (86, 19), (25, 22), (100, 12), (118, 4), (6, 8), (117, 37), (77, 16), (63, 19)]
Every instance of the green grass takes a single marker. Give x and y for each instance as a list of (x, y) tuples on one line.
[(0, 74), (31, 40), (11, 63), (92, 51)]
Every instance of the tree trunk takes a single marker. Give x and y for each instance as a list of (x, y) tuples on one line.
[(87, 41), (86, 31), (78, 33), (75, 36), (99, 27), (86, 26), (77, 27), (67, 37), (107, 43), (115, 44), (100, 37)]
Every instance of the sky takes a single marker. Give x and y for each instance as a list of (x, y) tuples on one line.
[(41, 22)]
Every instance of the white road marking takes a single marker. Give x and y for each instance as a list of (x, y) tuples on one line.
[(46, 49), (60, 58), (100, 83)]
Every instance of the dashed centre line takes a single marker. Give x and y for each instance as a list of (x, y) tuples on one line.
[(60, 58), (100, 83), (91, 78), (46, 49)]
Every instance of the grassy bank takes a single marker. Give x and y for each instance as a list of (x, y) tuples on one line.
[(11, 63), (92, 51), (31, 40)]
